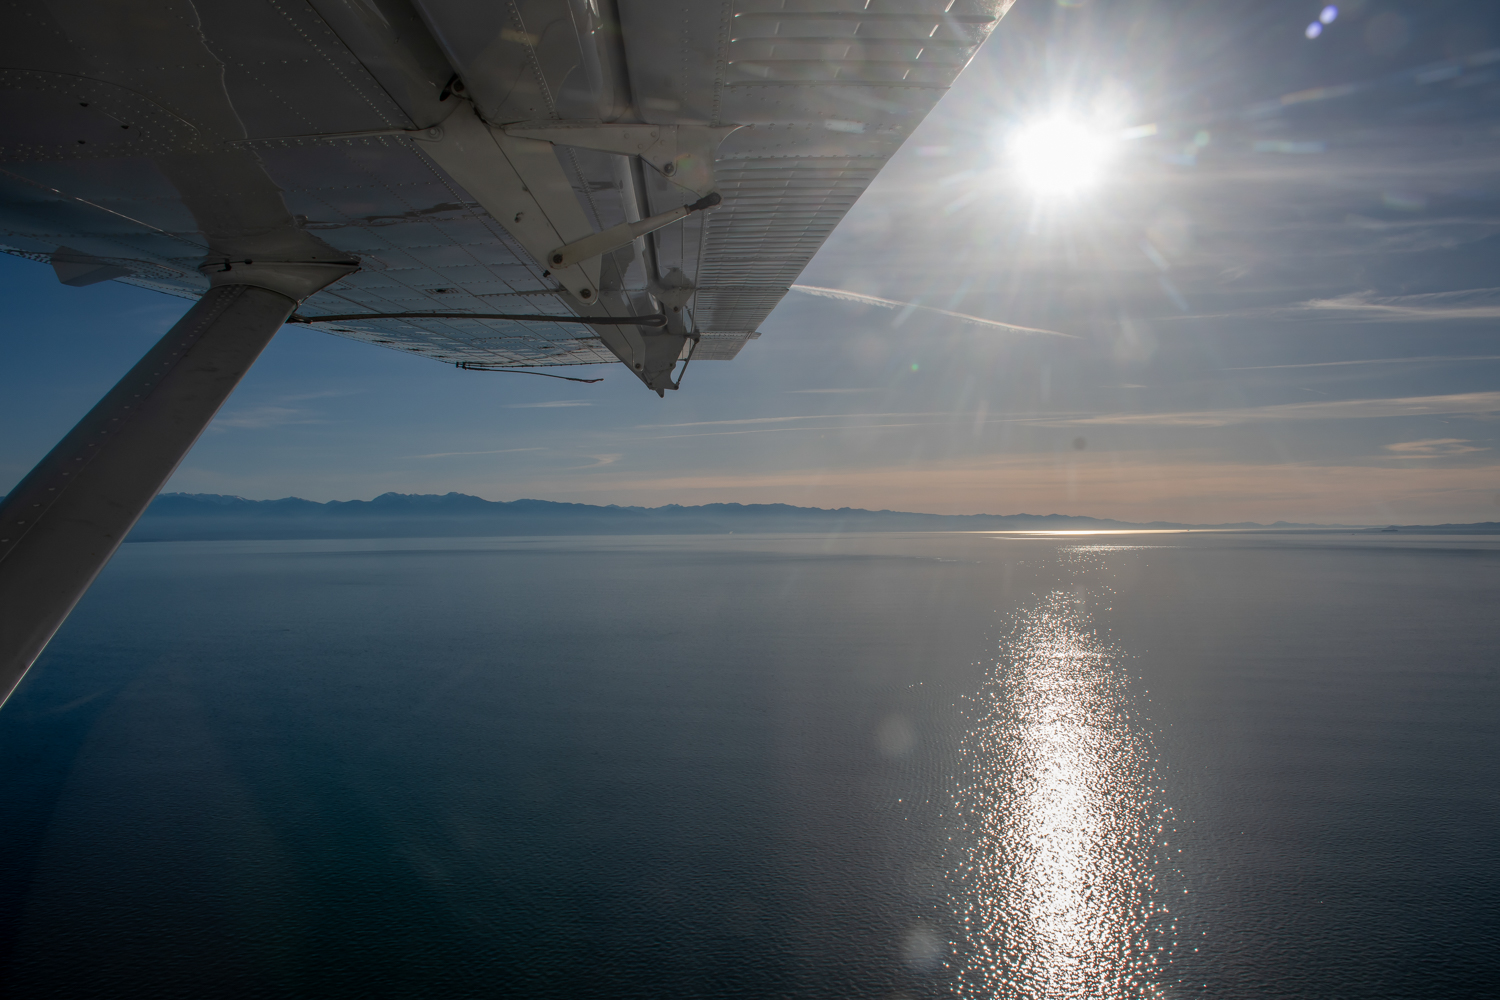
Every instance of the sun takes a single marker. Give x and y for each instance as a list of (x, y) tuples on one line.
[(1060, 156)]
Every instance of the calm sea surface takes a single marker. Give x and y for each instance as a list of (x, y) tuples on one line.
[(975, 765)]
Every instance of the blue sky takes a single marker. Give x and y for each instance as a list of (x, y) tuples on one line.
[(1281, 301)]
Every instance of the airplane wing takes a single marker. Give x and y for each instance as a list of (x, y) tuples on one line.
[(484, 183), (447, 148)]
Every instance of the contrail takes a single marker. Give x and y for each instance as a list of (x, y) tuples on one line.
[(872, 300), (1368, 361)]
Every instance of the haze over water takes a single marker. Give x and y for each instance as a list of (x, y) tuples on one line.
[(869, 766)]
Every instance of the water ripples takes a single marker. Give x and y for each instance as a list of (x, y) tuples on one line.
[(1062, 817)]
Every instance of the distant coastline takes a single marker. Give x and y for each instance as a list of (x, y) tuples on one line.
[(210, 516)]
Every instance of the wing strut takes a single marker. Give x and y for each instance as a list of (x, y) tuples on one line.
[(62, 523), (624, 234)]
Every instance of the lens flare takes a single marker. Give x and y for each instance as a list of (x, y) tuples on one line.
[(1061, 156)]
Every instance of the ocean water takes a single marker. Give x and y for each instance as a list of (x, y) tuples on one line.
[(974, 765)]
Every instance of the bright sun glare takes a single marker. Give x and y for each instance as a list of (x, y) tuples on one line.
[(1060, 156)]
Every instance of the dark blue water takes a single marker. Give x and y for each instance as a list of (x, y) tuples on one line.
[(870, 766)]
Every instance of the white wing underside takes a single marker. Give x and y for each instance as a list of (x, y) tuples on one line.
[(826, 91)]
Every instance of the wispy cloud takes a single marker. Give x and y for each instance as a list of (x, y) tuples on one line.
[(319, 394), (451, 454), (1469, 403), (790, 391), (1432, 448), (261, 417), (281, 412), (598, 460), (1472, 303), (842, 428), (1370, 361), (873, 300), (783, 420), (550, 404)]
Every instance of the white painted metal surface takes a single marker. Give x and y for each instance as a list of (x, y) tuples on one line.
[(125, 126)]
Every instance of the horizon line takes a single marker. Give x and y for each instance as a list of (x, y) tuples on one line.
[(1158, 524)]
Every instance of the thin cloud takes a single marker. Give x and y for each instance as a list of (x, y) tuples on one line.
[(261, 417), (550, 404), (1432, 448), (781, 430), (1369, 361), (319, 394), (872, 300), (277, 413), (598, 460), (1469, 403), (782, 420), (1472, 303), (451, 454), (789, 391)]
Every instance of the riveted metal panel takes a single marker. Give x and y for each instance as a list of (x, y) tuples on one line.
[(830, 88), (519, 59), (103, 128)]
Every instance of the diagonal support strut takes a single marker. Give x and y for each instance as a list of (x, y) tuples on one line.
[(64, 521)]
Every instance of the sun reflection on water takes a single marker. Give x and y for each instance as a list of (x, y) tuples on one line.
[(1064, 827)]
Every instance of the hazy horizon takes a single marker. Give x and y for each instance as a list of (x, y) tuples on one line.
[(874, 510)]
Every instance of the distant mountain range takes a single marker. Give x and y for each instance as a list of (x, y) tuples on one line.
[(205, 516)]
